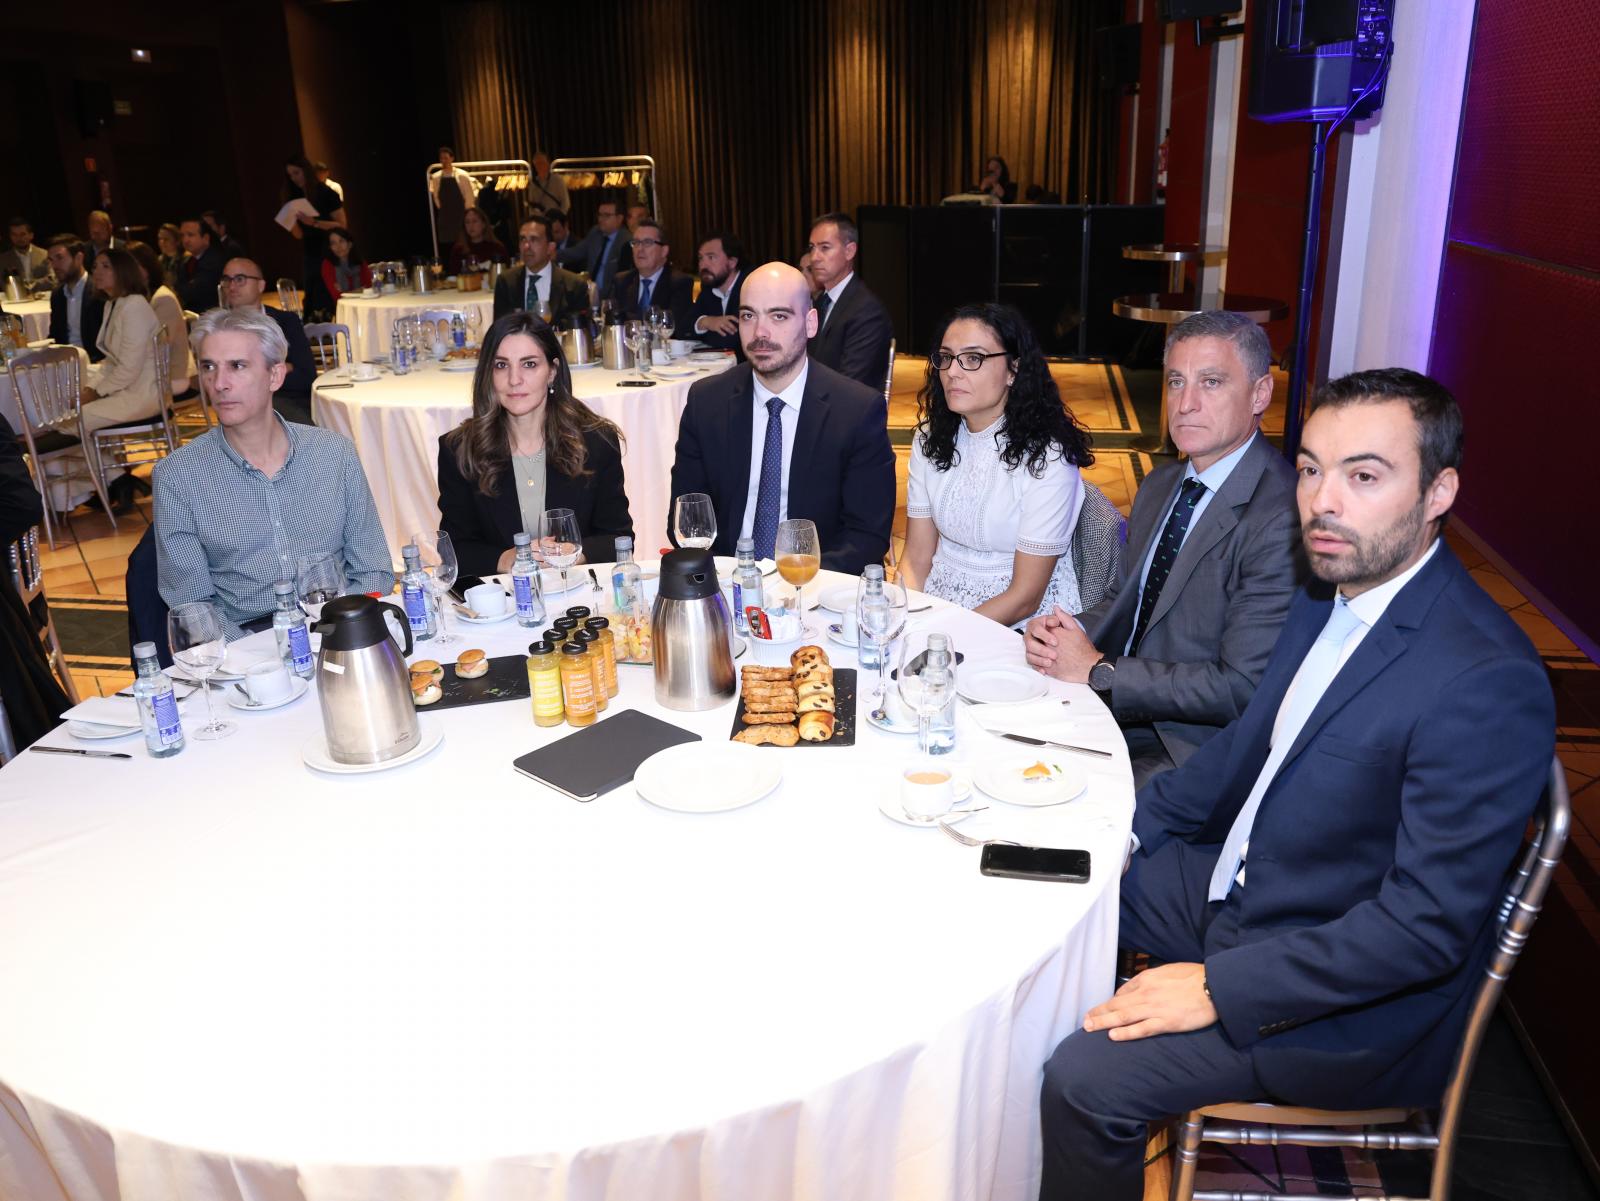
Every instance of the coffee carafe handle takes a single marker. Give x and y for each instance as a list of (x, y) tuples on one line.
[(405, 624)]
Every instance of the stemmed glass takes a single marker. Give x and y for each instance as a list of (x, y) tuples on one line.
[(195, 635), (318, 579), (474, 323), (638, 337), (799, 556), (660, 324), (924, 695), (694, 521), (438, 556), (881, 622), (559, 542)]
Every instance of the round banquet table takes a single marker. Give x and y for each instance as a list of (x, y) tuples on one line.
[(230, 976), (396, 422), (35, 316), (371, 320)]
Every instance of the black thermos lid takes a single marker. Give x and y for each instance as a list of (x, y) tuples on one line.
[(688, 575)]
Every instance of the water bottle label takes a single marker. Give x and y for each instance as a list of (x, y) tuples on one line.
[(169, 729), (416, 608), (740, 626), (458, 335), (524, 588), (300, 650)]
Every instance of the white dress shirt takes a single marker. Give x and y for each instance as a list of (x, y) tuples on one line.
[(74, 293), (722, 295), (833, 297), (789, 418)]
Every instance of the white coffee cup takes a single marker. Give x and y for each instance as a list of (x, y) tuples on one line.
[(849, 629), (659, 357), (681, 347), (487, 600), (363, 371), (927, 791), (267, 682)]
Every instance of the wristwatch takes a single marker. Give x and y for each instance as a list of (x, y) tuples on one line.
[(1101, 675)]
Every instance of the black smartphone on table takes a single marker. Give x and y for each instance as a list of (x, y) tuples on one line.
[(1035, 863)]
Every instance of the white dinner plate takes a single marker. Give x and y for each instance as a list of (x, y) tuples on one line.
[(706, 777), (583, 366), (999, 685), (838, 598), (708, 356), (315, 752), (674, 372), (1002, 779), (456, 365), (577, 577), (889, 805), (234, 665), (239, 699), (93, 731)]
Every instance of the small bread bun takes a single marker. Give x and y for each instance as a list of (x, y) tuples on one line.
[(812, 652), (816, 704), (816, 727), (425, 689), (471, 664), (430, 666)]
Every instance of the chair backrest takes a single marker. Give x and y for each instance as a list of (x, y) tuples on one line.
[(49, 386), (1519, 909), (888, 378), (324, 338), (1097, 542), (147, 611), (27, 573), (161, 347)]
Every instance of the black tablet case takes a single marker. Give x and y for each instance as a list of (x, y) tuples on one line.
[(592, 761)]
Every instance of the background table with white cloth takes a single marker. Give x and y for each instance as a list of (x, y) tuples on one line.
[(35, 316), (396, 422), (371, 319), (229, 975)]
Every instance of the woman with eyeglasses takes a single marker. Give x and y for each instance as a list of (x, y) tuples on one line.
[(994, 491), (529, 446)]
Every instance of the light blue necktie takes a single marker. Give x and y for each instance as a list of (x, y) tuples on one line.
[(1317, 671)]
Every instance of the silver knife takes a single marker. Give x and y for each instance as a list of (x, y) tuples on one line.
[(1065, 746), (67, 750)]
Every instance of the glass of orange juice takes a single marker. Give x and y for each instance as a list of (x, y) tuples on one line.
[(799, 556)]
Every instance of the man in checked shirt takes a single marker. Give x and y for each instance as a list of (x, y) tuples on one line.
[(237, 508)]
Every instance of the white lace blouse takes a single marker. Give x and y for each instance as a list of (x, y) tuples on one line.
[(985, 512)]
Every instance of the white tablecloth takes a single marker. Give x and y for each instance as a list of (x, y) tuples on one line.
[(372, 321), (227, 976), (35, 316), (396, 422)]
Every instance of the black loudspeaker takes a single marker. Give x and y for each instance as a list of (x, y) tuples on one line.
[(91, 101), (1116, 55), (1309, 59), (1194, 10)]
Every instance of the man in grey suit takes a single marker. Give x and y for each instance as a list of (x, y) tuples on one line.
[(1177, 645), (853, 327)]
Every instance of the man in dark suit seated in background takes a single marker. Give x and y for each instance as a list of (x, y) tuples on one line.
[(76, 309), (1320, 879), (561, 239), (600, 252), (538, 278), (202, 270), (742, 432), (716, 310), (228, 246), (653, 284), (243, 284), (853, 327), (1176, 646)]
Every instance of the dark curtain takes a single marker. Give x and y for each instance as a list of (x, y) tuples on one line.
[(762, 116)]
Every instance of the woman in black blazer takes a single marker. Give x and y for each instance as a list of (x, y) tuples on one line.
[(524, 418)]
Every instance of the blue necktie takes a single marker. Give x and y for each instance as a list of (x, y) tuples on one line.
[(644, 296), (1165, 554), (765, 527), (1317, 671)]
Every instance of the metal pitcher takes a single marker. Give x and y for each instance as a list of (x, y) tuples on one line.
[(692, 632), (422, 278), (576, 346), (15, 292), (363, 684), (614, 352)]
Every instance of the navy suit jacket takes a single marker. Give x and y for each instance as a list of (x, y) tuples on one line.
[(707, 305), (855, 340), (569, 295), (841, 472), (91, 312), (673, 290), (1380, 851)]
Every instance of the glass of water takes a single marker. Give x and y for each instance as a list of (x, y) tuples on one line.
[(694, 521), (195, 634)]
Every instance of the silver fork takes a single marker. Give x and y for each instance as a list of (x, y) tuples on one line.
[(968, 841)]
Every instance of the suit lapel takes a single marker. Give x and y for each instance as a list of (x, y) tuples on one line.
[(741, 428), (1143, 530), (808, 431)]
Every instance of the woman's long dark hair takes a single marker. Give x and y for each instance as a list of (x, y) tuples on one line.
[(355, 254), (289, 189), (1036, 424), (482, 443)]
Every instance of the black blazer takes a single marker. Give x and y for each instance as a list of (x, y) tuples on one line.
[(90, 315), (586, 255), (841, 471), (483, 527), (197, 283), (302, 367), (855, 340), (569, 295), (709, 306), (673, 290)]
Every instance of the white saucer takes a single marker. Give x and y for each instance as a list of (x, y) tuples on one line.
[(836, 634), (315, 752), (867, 711), (705, 777), (93, 731), (297, 689), (999, 778), (889, 805), (506, 615), (999, 685)]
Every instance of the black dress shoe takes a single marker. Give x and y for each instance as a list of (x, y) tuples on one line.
[(122, 491)]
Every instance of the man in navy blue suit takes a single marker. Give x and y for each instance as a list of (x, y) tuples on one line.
[(1319, 880), (781, 436)]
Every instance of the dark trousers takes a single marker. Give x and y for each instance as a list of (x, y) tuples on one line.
[(1099, 1095), (1147, 754)]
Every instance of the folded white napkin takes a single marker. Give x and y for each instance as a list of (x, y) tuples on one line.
[(108, 711)]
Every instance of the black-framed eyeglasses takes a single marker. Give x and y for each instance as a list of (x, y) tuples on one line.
[(239, 279), (970, 360), (644, 242)]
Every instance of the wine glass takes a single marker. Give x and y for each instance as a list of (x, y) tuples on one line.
[(637, 335), (318, 579), (799, 556), (660, 321), (438, 556), (694, 521), (474, 323), (924, 694), (881, 620), (195, 635), (559, 543)]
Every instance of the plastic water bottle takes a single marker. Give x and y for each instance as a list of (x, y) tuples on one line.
[(872, 616), (746, 583), (158, 707), (627, 588), (525, 583), (458, 331), (414, 591), (289, 627), (941, 663)]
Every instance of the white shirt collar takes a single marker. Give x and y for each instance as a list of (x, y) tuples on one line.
[(545, 271), (652, 279), (833, 292), (790, 395), (1217, 474), (1370, 605), (725, 292)]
